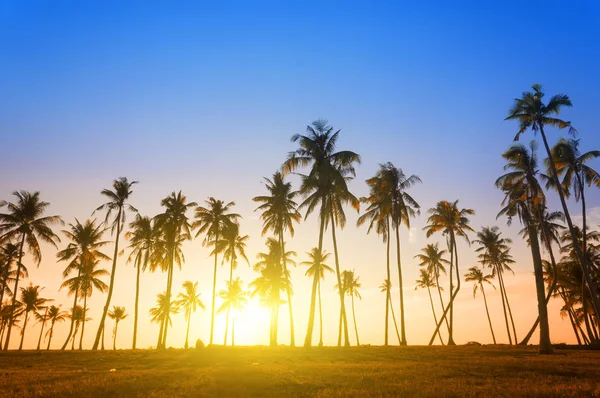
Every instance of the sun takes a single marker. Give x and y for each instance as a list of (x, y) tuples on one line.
[(252, 324)]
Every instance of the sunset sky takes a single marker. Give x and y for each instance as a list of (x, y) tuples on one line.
[(203, 97)]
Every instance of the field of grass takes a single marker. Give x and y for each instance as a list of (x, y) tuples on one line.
[(262, 371)]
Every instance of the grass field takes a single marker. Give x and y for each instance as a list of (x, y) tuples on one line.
[(262, 371)]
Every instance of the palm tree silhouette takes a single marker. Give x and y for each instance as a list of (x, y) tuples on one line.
[(351, 285), (161, 314), (83, 248), (143, 237), (9, 253), (118, 314), (531, 112), (476, 276), (77, 315), (189, 300), (25, 222), (452, 222), (427, 281), (117, 199), (6, 311), (316, 270), (386, 287), (54, 314), (325, 187), (234, 297), (279, 212), (213, 220), (31, 300), (524, 198)]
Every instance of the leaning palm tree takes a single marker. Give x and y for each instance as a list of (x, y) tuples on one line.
[(279, 212), (324, 187), (143, 237), (117, 203), (212, 221), (316, 270), (118, 314), (531, 112), (386, 287), (31, 300), (77, 314), (232, 245), (234, 298), (9, 253), (54, 315), (25, 223), (351, 286), (85, 243), (189, 300), (476, 276), (453, 222), (427, 281)]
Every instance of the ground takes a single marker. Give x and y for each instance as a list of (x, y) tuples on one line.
[(282, 371)]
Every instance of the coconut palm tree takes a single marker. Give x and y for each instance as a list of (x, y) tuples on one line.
[(24, 222), (427, 281), (31, 301), (234, 297), (279, 212), (532, 113), (161, 314), (232, 245), (77, 314), (351, 285), (9, 253), (386, 287), (85, 243), (476, 276), (117, 204), (118, 314), (324, 187), (453, 222), (7, 310), (143, 237), (316, 270), (212, 221), (432, 258), (54, 315), (523, 199), (174, 228), (189, 300)]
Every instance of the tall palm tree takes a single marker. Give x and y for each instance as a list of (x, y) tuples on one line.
[(351, 285), (31, 300), (453, 222), (531, 112), (476, 276), (174, 229), (85, 243), (189, 300), (9, 253), (143, 237), (232, 245), (271, 282), (161, 314), (55, 314), (386, 287), (279, 212), (212, 221), (432, 258), (118, 314), (316, 270), (83, 285), (25, 222), (117, 203), (324, 187), (427, 281), (234, 297), (523, 199)]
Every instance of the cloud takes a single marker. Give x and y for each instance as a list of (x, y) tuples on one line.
[(412, 234), (592, 220)]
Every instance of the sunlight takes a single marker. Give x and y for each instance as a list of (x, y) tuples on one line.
[(251, 324)]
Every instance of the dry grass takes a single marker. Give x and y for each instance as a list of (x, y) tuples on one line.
[(324, 372)]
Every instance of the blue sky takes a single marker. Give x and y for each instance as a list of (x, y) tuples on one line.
[(203, 96)]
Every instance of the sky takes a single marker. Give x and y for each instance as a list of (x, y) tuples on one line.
[(203, 97)]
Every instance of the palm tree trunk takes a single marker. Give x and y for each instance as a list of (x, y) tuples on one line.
[(487, 311), (187, 331), (433, 310), (578, 250), (72, 320), (402, 323), (320, 316), (439, 289), (83, 322), (499, 272), (23, 330), (311, 314), (233, 332), (42, 331), (51, 333), (111, 285), (74, 336), (394, 319), (512, 321), (452, 293), (115, 336), (228, 307), (574, 325), (276, 320), (102, 341), (160, 333), (388, 299), (15, 291), (339, 280), (214, 292), (169, 293), (339, 344), (137, 302), (288, 290), (354, 320)]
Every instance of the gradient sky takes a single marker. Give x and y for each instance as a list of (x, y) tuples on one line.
[(204, 96)]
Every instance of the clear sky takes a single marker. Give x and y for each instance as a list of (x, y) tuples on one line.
[(204, 96)]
